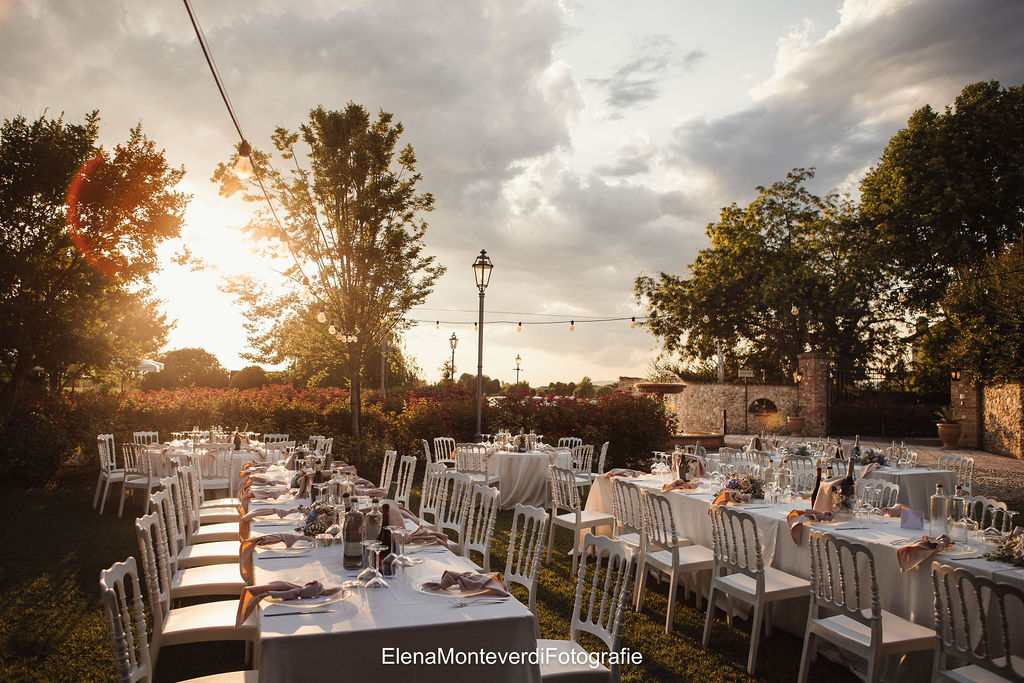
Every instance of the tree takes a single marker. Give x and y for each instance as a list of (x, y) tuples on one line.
[(186, 368), (249, 377), (585, 389), (788, 271), (79, 230), (468, 382), (353, 223), (948, 191)]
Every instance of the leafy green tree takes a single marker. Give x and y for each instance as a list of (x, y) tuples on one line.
[(187, 367), (79, 230), (468, 382), (789, 271), (948, 191), (249, 377), (354, 219), (585, 389)]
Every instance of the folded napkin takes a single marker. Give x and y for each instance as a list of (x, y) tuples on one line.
[(265, 480), (895, 510), (823, 503), (870, 467), (248, 546), (623, 472), (679, 485), (702, 467), (371, 492), (251, 467), (797, 519), (465, 582), (244, 522), (913, 554), (728, 497), (427, 536), (283, 590), (305, 486)]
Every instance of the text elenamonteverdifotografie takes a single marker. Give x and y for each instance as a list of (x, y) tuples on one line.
[(481, 657)]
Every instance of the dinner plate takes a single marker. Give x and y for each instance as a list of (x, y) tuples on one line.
[(447, 593), (311, 602)]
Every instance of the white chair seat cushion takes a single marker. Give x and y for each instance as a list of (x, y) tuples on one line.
[(481, 478), (233, 503), (138, 480), (217, 552), (225, 531), (229, 677), (212, 579), (553, 670), (207, 621), (630, 538), (214, 483), (978, 674), (777, 584), (691, 558), (588, 518), (895, 629), (218, 516), (582, 479)]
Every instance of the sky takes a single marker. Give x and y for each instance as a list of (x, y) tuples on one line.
[(580, 143)]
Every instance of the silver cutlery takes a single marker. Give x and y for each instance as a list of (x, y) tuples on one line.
[(281, 557), (478, 601), (297, 612), (849, 528)]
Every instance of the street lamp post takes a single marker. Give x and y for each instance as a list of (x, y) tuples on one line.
[(518, 361), (482, 272), (453, 341)]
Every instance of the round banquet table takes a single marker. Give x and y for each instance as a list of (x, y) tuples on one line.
[(917, 484), (524, 476)]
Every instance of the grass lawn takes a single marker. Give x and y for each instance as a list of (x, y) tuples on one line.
[(52, 625)]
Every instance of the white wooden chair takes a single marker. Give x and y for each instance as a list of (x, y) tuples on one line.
[(803, 480), (404, 477), (214, 471), (525, 551), (627, 511), (196, 623), (483, 510), (747, 468), (138, 472), (426, 451), (583, 464), (845, 608), (192, 555), (145, 438), (326, 446), (567, 512), (663, 550), (989, 513), (109, 471), (213, 506), (206, 580), (601, 460), (387, 469), (471, 459), (430, 500), (603, 589), (444, 450), (974, 622), (274, 438), (455, 497), (195, 531), (121, 593), (963, 469), (313, 442), (569, 442), (737, 548)]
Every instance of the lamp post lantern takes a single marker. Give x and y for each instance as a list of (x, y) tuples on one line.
[(518, 361), (453, 341), (482, 267)]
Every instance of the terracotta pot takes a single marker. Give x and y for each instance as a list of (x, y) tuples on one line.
[(949, 432), (796, 425)]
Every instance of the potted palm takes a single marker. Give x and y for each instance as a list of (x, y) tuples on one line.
[(949, 427), (796, 423)]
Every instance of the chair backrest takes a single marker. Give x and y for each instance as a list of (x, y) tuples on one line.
[(326, 446), (274, 438), (145, 438), (962, 467), (483, 510), (726, 455), (626, 506), (747, 468), (868, 490), (569, 441), (313, 442), (455, 497), (471, 458), (156, 568), (108, 456), (803, 480), (974, 621), (135, 459), (583, 458), (444, 448), (188, 510), (888, 494), (989, 513), (126, 618), (526, 549), (430, 503), (564, 495), (603, 587), (843, 580), (387, 469), (659, 527), (426, 451), (601, 458), (160, 503), (406, 472), (737, 543), (800, 464)]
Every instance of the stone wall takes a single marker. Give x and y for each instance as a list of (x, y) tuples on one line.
[(1003, 417), (699, 407)]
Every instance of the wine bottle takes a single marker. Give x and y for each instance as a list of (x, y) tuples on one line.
[(386, 567), (855, 454), (846, 487), (817, 484), (352, 535)]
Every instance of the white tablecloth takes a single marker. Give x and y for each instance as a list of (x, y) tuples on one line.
[(524, 476), (917, 485)]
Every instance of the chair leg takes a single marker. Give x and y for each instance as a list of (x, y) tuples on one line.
[(120, 508), (551, 537), (96, 496), (710, 615), (575, 550), (768, 620), (755, 636), (641, 584), (106, 489), (806, 656), (671, 611), (874, 665)]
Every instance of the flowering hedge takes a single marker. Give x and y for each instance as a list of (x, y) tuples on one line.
[(48, 430)]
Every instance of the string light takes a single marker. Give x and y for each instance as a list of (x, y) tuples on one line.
[(243, 167), (632, 322), (706, 319), (305, 293), (332, 330), (321, 317), (437, 324), (794, 310), (339, 336), (519, 327), (282, 250), (474, 327), (903, 296), (572, 325)]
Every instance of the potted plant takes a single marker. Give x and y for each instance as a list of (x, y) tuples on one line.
[(949, 427), (796, 423)]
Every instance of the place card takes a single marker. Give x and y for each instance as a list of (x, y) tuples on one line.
[(912, 519)]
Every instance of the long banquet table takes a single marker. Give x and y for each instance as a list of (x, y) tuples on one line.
[(354, 640), (524, 476), (917, 484)]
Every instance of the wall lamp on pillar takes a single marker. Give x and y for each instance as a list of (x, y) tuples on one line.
[(798, 376), (955, 375)]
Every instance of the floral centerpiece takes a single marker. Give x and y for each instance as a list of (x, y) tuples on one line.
[(871, 455), (745, 484), (318, 518), (1012, 549), (802, 450)]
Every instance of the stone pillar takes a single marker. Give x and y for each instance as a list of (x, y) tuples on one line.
[(813, 392), (966, 401)]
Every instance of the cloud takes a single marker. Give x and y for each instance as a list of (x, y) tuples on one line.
[(638, 80), (633, 157)]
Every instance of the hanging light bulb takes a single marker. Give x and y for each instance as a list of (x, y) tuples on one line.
[(474, 327), (794, 310), (437, 325), (332, 330), (519, 327), (632, 322), (706, 319), (572, 325), (339, 337), (243, 167), (903, 296), (305, 293), (321, 317)]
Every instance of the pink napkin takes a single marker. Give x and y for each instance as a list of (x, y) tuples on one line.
[(244, 522), (870, 467), (465, 582), (251, 467), (623, 472), (895, 510), (679, 485), (732, 498), (913, 554), (371, 492), (248, 546), (823, 503), (702, 467), (797, 519), (427, 536), (284, 590), (305, 486)]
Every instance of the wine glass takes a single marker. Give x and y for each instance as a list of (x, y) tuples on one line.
[(370, 551), (377, 581)]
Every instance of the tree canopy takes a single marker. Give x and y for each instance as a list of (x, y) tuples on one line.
[(187, 367)]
